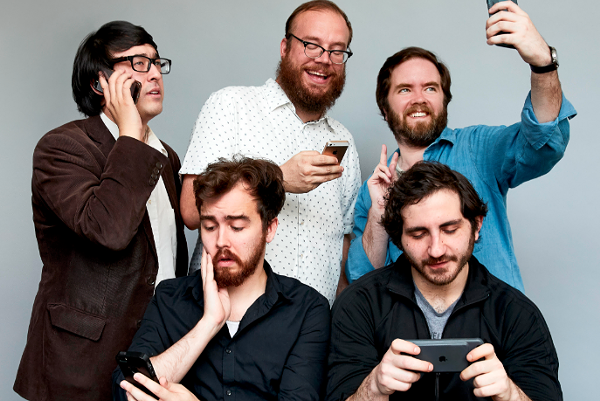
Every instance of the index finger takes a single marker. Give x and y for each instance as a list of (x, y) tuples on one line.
[(383, 157), (402, 346), (505, 5), (483, 351), (323, 160)]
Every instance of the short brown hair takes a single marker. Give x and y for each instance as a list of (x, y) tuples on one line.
[(316, 5), (423, 179), (263, 179), (385, 73)]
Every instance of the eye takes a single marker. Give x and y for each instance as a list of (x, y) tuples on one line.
[(450, 230), (237, 229), (209, 228), (418, 235), (403, 90), (431, 89)]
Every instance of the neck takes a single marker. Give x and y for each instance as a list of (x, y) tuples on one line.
[(409, 155), (440, 297), (243, 296)]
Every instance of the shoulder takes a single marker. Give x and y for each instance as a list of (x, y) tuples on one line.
[(369, 291), (236, 92), (510, 303), (177, 288), (296, 291)]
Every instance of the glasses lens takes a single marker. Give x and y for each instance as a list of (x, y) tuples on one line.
[(338, 57), (140, 64), (313, 51), (164, 65)]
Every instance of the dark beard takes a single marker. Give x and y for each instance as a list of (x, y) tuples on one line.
[(451, 276), (225, 278), (423, 134), (288, 77)]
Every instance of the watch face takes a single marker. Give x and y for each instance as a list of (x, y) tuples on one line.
[(554, 56)]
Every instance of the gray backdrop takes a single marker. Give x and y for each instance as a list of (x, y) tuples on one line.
[(220, 43)]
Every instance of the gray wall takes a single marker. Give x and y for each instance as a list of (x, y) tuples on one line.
[(216, 44)]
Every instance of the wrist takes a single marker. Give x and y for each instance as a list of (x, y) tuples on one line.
[(550, 62)]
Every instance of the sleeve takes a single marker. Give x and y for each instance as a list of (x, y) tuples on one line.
[(352, 176), (358, 263), (149, 339), (352, 353), (304, 371), (103, 204), (214, 133), (528, 353), (522, 151)]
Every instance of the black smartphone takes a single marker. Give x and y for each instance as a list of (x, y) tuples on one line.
[(136, 362), (447, 355), (136, 87), (336, 148), (490, 3)]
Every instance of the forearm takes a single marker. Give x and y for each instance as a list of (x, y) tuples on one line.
[(516, 394), (176, 361), (375, 239), (368, 391), (189, 211), (546, 96), (343, 281)]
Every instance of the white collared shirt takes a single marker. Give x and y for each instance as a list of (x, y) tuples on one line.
[(262, 122), (160, 212)]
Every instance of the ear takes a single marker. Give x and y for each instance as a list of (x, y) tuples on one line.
[(479, 222), (283, 47), (271, 229), (93, 85)]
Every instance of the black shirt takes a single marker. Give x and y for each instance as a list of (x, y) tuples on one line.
[(278, 352), (381, 306)]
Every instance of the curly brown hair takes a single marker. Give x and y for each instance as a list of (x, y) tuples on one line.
[(263, 179), (420, 181)]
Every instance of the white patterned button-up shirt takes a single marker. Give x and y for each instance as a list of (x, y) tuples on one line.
[(262, 122)]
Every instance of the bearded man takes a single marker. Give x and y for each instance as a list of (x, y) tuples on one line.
[(413, 92), (234, 328), (285, 121), (437, 290)]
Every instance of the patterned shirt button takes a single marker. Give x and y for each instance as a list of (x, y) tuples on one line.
[(228, 351), (228, 392)]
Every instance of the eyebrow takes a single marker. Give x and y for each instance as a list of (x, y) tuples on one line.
[(227, 218), (314, 39), (421, 228), (407, 85)]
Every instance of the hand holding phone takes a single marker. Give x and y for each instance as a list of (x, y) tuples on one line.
[(135, 87), (490, 4), (336, 149), (136, 362)]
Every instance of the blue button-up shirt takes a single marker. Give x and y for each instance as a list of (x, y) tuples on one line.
[(494, 159)]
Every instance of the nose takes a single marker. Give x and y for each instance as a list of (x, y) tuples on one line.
[(154, 73), (436, 246), (222, 238), (324, 58)]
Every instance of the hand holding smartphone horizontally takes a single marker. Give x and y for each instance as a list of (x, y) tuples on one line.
[(401, 367)]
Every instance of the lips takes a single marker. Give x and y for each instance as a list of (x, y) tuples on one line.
[(225, 258)]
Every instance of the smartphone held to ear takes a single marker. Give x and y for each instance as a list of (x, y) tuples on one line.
[(336, 149), (136, 87), (136, 362), (490, 3)]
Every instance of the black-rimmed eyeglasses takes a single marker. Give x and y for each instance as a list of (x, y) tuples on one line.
[(314, 51), (143, 63)]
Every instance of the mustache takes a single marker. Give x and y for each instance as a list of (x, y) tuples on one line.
[(418, 107), (441, 259), (225, 254)]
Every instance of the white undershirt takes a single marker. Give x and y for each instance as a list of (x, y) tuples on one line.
[(232, 327), (160, 212)]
